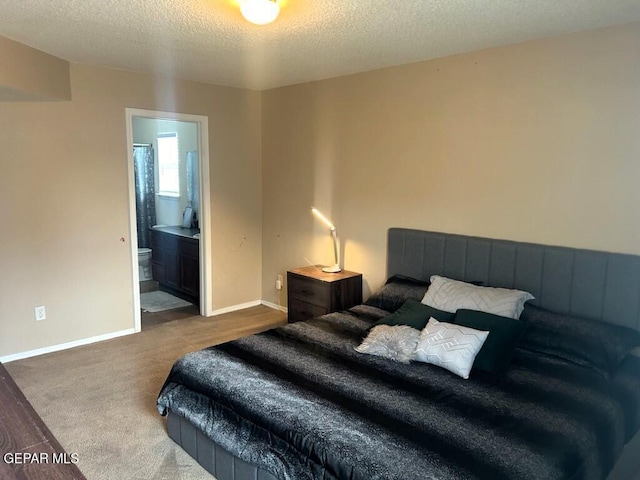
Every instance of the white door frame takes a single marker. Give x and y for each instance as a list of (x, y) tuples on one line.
[(206, 303)]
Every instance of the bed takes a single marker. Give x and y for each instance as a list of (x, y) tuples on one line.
[(300, 402)]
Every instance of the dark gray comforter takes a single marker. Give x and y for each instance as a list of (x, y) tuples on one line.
[(299, 402)]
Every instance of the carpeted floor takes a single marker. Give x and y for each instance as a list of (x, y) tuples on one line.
[(99, 399)]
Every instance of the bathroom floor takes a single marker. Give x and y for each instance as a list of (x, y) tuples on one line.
[(151, 319)]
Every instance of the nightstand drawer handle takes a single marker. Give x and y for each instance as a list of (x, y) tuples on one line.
[(307, 292)]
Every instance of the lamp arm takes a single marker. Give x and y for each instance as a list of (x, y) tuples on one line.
[(336, 250)]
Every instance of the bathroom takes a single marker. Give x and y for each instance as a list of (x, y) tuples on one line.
[(167, 214)]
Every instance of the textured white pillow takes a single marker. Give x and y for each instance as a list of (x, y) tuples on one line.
[(396, 343), (449, 346), (451, 295)]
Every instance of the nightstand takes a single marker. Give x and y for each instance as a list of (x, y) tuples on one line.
[(312, 292)]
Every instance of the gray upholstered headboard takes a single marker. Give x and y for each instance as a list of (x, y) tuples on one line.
[(599, 285)]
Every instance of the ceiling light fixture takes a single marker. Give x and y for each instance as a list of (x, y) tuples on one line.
[(260, 12)]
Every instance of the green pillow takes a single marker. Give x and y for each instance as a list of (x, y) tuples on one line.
[(504, 334), (414, 314)]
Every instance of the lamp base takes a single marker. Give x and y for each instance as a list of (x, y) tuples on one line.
[(332, 269)]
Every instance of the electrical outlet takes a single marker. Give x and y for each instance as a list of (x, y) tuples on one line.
[(41, 314), (279, 283)]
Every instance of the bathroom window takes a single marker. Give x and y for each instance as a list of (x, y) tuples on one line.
[(168, 165)]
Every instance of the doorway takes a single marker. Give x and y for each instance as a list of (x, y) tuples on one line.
[(174, 204)]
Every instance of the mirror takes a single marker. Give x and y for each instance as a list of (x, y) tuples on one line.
[(187, 218)]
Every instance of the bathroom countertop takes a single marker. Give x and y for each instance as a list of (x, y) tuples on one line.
[(177, 230)]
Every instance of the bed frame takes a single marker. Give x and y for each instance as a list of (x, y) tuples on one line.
[(586, 283), (592, 284), (211, 456)]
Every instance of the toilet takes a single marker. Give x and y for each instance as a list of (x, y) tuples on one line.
[(144, 264)]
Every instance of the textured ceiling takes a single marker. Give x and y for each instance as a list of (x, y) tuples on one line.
[(208, 40)]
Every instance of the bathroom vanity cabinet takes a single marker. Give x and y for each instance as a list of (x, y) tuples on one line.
[(175, 261)]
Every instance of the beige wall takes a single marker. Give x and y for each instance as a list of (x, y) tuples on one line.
[(535, 142), (28, 74), (64, 197)]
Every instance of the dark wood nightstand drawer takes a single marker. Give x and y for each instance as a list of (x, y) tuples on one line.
[(312, 292), (300, 310), (308, 290)]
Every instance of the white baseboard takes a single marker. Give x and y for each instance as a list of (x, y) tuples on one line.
[(65, 346), (234, 308), (254, 303), (108, 336), (274, 306)]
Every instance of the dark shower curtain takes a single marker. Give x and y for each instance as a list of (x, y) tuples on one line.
[(193, 188), (145, 193)]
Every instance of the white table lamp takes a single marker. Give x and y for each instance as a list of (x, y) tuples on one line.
[(336, 251)]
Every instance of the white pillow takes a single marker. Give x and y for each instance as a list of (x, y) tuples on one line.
[(396, 343), (449, 346), (451, 295)]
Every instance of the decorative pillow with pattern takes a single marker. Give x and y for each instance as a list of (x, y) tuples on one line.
[(450, 295), (450, 346), (397, 343)]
